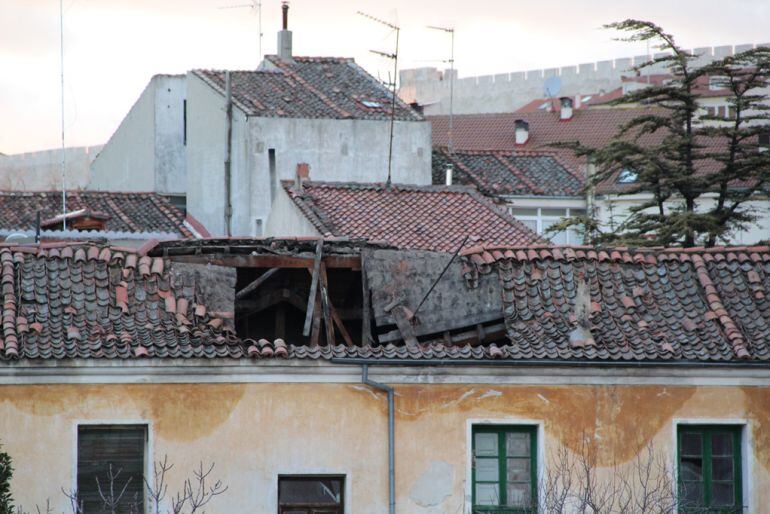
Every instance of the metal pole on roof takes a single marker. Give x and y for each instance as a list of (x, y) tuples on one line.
[(63, 152), (451, 32), (393, 56)]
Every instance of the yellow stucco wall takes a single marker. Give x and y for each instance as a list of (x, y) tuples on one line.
[(256, 431)]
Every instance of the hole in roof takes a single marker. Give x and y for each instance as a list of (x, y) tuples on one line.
[(628, 176)]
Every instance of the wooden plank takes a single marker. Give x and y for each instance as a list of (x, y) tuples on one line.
[(445, 338), (343, 331), (316, 322), (404, 325), (366, 309), (273, 298), (313, 287), (256, 283), (328, 322), (335, 317), (352, 262)]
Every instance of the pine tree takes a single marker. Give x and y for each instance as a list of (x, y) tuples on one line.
[(697, 171), (6, 473)]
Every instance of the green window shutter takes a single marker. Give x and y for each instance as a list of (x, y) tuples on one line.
[(709, 469), (120, 446), (504, 469)]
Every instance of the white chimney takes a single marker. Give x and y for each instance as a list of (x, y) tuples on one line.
[(578, 101), (566, 108), (449, 170), (521, 130), (284, 35)]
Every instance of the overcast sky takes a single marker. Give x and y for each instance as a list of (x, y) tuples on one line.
[(113, 47)]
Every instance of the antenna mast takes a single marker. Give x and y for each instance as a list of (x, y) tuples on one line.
[(393, 56), (257, 6), (63, 152), (451, 32)]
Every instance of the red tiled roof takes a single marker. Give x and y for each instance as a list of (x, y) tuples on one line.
[(521, 172), (126, 212), (621, 304), (419, 217), (310, 87)]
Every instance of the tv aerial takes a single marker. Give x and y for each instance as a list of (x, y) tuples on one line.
[(551, 88)]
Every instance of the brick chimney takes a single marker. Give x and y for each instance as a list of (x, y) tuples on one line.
[(303, 174), (521, 131), (284, 35), (566, 108)]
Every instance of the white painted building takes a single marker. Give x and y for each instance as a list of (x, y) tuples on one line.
[(147, 151)]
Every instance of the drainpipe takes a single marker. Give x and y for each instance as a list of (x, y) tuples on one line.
[(228, 146), (391, 437)]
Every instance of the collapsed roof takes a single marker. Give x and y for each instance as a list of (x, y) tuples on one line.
[(241, 299)]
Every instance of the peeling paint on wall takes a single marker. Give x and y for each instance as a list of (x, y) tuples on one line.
[(434, 485)]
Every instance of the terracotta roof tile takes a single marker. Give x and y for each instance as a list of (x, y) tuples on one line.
[(124, 212), (418, 217), (310, 87), (498, 172)]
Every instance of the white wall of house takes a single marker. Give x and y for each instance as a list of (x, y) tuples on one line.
[(287, 219), (539, 213), (613, 210), (337, 150), (41, 171), (146, 152)]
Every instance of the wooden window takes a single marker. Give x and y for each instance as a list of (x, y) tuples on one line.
[(504, 473), (311, 495), (710, 469), (116, 449)]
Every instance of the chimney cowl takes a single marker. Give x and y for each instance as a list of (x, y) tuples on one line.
[(284, 35), (521, 131), (449, 173), (566, 108)]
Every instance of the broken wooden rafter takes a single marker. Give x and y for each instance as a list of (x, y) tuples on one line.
[(351, 262), (311, 300), (256, 283)]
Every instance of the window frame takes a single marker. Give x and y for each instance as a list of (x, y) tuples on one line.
[(533, 430), (742, 458), (541, 219), (149, 464), (344, 493)]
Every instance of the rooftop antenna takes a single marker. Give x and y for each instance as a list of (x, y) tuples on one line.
[(394, 57), (255, 6), (551, 88), (63, 152), (451, 32)]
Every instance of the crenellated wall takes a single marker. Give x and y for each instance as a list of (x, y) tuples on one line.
[(506, 92)]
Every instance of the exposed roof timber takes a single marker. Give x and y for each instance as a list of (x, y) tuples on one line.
[(270, 261)]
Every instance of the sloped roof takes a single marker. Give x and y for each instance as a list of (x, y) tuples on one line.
[(558, 303), (623, 304), (135, 213), (497, 172), (310, 87), (420, 217)]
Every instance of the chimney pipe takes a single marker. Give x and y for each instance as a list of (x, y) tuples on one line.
[(284, 35), (449, 172), (521, 131), (303, 174), (566, 108)]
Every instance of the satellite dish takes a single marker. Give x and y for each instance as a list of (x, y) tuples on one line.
[(552, 86)]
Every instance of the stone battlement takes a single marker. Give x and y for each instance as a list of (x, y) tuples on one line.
[(506, 92)]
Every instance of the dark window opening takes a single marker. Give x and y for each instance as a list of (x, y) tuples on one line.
[(184, 122), (311, 494), (178, 201), (273, 177), (709, 469), (111, 457)]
